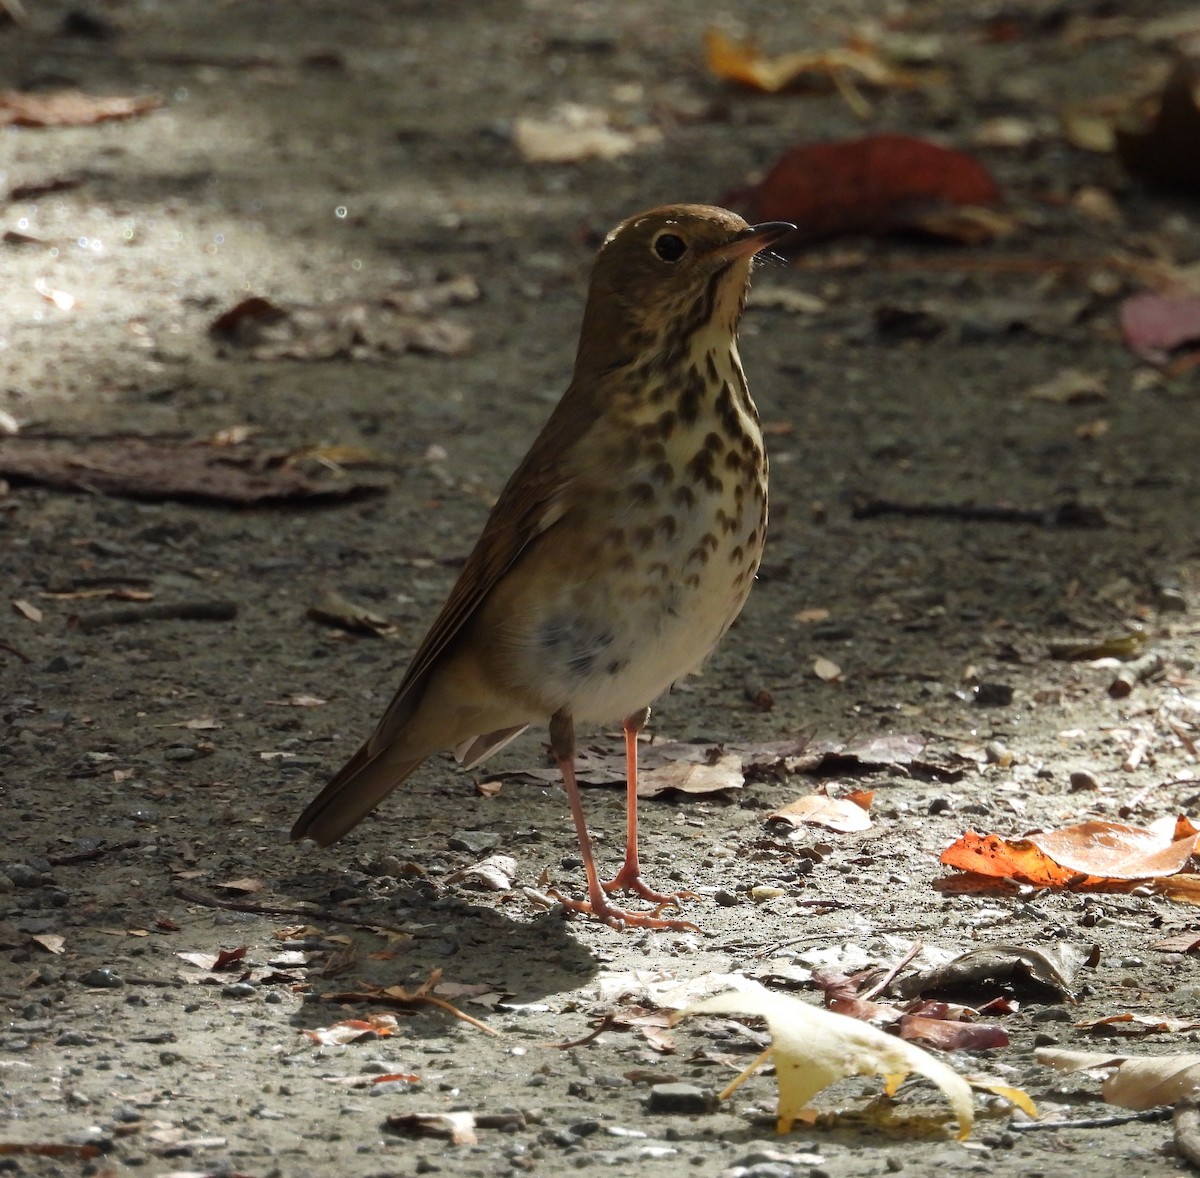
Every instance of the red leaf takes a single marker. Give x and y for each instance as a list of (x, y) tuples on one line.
[(877, 184)]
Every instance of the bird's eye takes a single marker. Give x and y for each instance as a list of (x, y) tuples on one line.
[(669, 247)]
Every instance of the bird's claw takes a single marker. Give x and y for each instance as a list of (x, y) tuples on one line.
[(620, 918)]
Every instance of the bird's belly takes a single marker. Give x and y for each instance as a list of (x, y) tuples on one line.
[(606, 646)]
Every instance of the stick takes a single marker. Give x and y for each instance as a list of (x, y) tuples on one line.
[(1135, 672), (1150, 1114), (1068, 514), (186, 611)]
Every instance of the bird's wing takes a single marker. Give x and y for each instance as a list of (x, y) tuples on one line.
[(532, 502)]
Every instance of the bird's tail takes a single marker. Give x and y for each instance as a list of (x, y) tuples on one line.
[(355, 790)]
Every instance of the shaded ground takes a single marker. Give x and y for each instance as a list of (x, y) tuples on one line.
[(308, 155)]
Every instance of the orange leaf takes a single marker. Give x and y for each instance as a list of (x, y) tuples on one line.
[(989, 854)]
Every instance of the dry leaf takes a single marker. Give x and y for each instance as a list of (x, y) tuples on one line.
[(693, 777), (844, 815), (1139, 1082), (69, 108), (29, 612), (1088, 853), (813, 1048), (572, 132), (879, 184), (335, 610), (1070, 387), (1154, 325), (375, 1026), (493, 874), (353, 329), (843, 67), (242, 885), (148, 468), (826, 669)]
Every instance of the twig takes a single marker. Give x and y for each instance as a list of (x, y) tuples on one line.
[(1137, 751), (1069, 514), (94, 853), (605, 1024), (186, 611), (1109, 1122), (404, 1001), (1135, 672), (890, 976), (14, 651)]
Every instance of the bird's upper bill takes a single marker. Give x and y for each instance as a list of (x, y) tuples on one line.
[(753, 239)]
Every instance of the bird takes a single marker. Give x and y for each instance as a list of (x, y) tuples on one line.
[(617, 555)]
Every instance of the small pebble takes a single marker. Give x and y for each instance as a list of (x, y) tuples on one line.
[(681, 1098), (103, 979), (239, 990), (993, 695), (1082, 780), (23, 875), (725, 898), (180, 753), (474, 841)]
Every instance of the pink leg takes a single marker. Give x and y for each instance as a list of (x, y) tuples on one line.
[(562, 740), (629, 878)]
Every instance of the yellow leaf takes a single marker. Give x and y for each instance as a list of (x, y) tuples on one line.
[(813, 1048)]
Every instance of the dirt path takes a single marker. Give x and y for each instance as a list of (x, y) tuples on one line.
[(311, 153)]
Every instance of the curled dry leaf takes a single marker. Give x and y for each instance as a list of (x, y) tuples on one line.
[(572, 132), (843, 67), (1139, 1082), (813, 1048), (335, 610), (375, 1026), (493, 874), (845, 815)]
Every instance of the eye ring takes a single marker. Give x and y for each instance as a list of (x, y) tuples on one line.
[(669, 247)]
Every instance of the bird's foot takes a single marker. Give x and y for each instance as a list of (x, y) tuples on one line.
[(629, 879), (621, 918)]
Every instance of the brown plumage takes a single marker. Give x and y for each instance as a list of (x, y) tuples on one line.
[(620, 550)]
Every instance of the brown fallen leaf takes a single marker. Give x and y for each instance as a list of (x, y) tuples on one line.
[(70, 108), (353, 1030), (845, 815), (355, 329), (157, 469)]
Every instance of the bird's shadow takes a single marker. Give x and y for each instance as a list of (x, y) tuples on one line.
[(400, 934)]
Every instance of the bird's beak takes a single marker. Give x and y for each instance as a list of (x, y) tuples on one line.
[(755, 238)]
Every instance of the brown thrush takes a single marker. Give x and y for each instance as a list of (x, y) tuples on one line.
[(618, 553)]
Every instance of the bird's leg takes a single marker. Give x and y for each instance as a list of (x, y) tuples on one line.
[(629, 878), (562, 741)]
